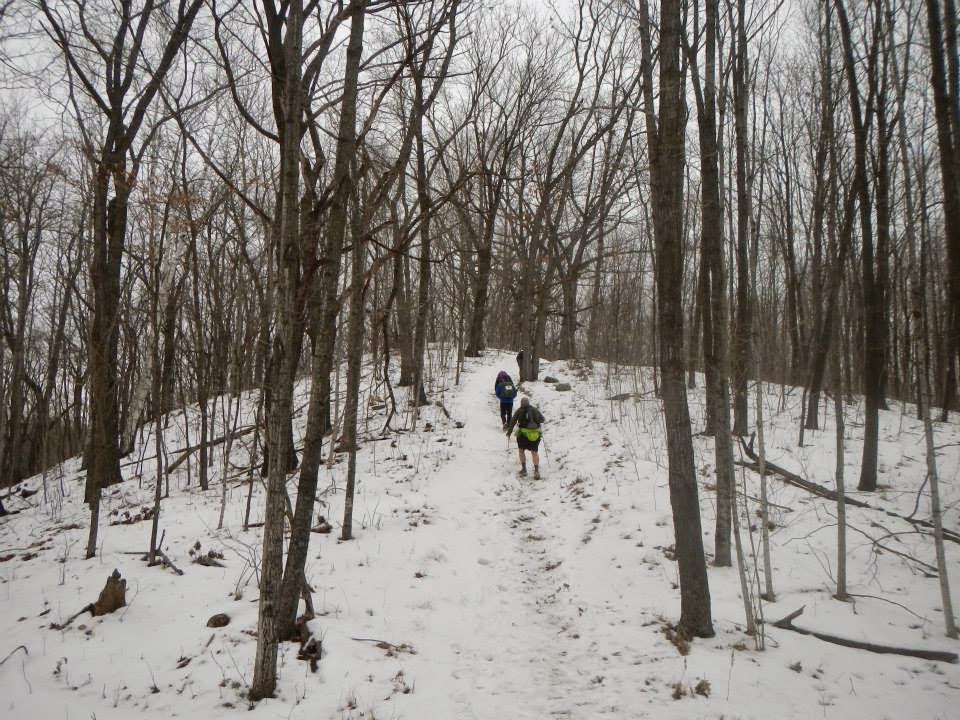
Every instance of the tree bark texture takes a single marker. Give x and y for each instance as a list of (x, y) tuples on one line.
[(744, 315), (318, 413), (665, 138), (715, 310), (288, 104), (872, 345), (944, 72), (824, 182)]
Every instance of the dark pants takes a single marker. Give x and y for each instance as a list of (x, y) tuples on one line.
[(506, 412), (524, 444)]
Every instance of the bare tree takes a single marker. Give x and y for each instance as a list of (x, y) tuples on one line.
[(423, 98), (29, 205), (873, 349), (825, 181), (945, 83), (714, 278), (744, 305), (116, 59), (509, 90), (665, 139)]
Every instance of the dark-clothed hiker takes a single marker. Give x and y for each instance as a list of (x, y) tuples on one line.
[(529, 422)]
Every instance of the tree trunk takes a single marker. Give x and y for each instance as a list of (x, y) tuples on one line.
[(401, 276), (841, 593), (285, 232), (704, 309), (744, 312), (424, 270), (665, 140), (944, 73), (712, 290), (476, 341), (168, 362), (824, 181), (354, 362), (872, 348), (593, 330), (122, 120), (475, 338), (936, 515), (109, 230), (318, 412), (568, 322)]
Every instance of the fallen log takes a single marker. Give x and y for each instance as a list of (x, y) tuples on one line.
[(786, 623), (824, 492), (188, 451)]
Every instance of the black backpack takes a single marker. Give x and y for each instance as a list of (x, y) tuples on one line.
[(509, 390), (532, 419)]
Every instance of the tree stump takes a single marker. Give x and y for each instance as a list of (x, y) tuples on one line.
[(113, 595)]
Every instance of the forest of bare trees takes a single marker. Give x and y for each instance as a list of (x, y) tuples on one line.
[(205, 198)]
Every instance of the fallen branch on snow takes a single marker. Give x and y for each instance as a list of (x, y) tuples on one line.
[(165, 560), (188, 451), (824, 492), (388, 646), (786, 623), (926, 568)]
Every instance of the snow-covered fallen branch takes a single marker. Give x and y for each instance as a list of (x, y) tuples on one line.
[(188, 451), (824, 492), (786, 623)]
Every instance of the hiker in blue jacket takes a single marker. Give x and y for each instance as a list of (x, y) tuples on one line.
[(505, 391)]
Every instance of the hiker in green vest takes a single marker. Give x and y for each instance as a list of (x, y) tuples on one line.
[(528, 421)]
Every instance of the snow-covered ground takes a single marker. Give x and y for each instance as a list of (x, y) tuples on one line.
[(469, 592)]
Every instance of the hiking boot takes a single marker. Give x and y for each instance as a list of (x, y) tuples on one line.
[(523, 469), (536, 473)]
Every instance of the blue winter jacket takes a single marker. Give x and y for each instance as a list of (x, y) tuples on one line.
[(500, 389)]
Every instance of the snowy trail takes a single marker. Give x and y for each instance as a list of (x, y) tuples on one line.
[(467, 592), (561, 602), (528, 677)]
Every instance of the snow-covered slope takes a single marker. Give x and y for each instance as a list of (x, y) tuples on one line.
[(469, 592)]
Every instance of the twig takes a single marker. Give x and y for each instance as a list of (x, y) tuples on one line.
[(916, 505), (928, 569), (64, 624), (9, 654), (168, 562), (384, 645), (892, 602), (126, 607), (23, 670)]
